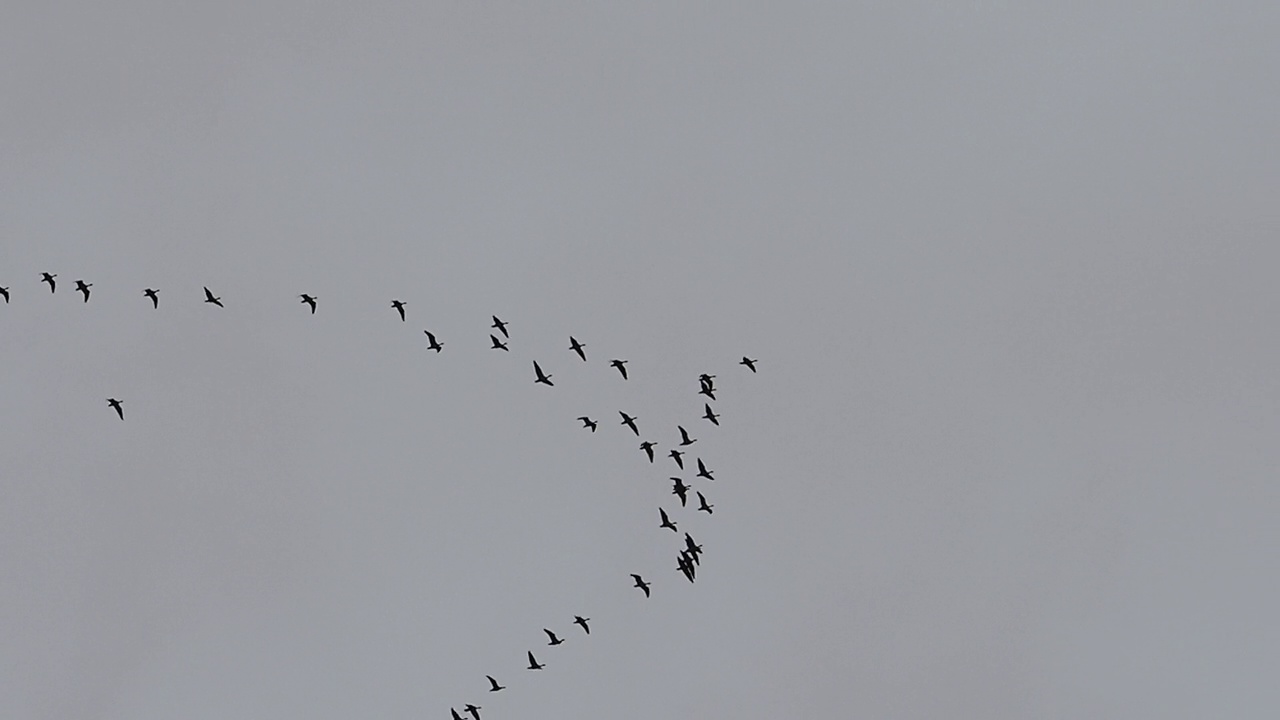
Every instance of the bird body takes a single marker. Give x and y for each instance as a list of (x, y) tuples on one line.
[(498, 344), (677, 456), (493, 684), (666, 521), (533, 663), (474, 710), (155, 298), (500, 327), (640, 583), (581, 621), (647, 447), (49, 278), (702, 504), (621, 365), (114, 403), (432, 343), (209, 298), (706, 390), (703, 471), (589, 423), (684, 437), (83, 287), (553, 639), (751, 364), (541, 377), (577, 347), (630, 422), (399, 306), (714, 418), (680, 490), (309, 301), (5, 292), (454, 714)]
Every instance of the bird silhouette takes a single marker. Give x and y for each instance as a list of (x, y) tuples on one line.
[(684, 437), (647, 447), (454, 714), (685, 567), (589, 423), (498, 344), (703, 471), (553, 639), (714, 418), (209, 298), (702, 504), (83, 287), (621, 365), (533, 663), (399, 306), (706, 390), (577, 347), (751, 364), (474, 710), (680, 490), (500, 327), (707, 381), (541, 377), (116, 404), (432, 343), (310, 301), (640, 583), (5, 292), (693, 548), (581, 621), (155, 298), (666, 521), (677, 456), (630, 422), (49, 278), (493, 684)]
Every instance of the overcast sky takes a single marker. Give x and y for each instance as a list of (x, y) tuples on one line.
[(1009, 272)]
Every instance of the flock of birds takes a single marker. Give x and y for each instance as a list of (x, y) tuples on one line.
[(690, 555)]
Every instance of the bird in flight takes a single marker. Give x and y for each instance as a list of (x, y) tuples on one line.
[(640, 583), (83, 287), (49, 278), (209, 298), (541, 377), (703, 471), (714, 418), (577, 347), (693, 548), (751, 364), (706, 380), (708, 391), (310, 301), (155, 299), (114, 403), (677, 456), (498, 344), (474, 710), (433, 344), (684, 437), (454, 714), (533, 663), (630, 422), (647, 447), (666, 521), (621, 365), (579, 620), (589, 423), (493, 684), (681, 491), (702, 504), (500, 327), (554, 640), (399, 306), (5, 292), (685, 566)]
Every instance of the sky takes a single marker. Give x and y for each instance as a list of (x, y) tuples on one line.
[(1007, 269)]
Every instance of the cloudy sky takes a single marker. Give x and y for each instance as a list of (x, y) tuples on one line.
[(1009, 273)]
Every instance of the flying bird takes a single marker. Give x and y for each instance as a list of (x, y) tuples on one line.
[(677, 456), (702, 504), (684, 437), (647, 447), (49, 278), (751, 364), (500, 327), (399, 306), (432, 343), (714, 418), (310, 301), (681, 491), (116, 404), (455, 714), (621, 365), (541, 377), (640, 583), (533, 663), (576, 346), (706, 380), (83, 287), (630, 422), (474, 710), (5, 292), (693, 548), (666, 521), (554, 640), (498, 344), (209, 298), (685, 566), (703, 471), (589, 423), (706, 390), (493, 684), (579, 620), (155, 299)]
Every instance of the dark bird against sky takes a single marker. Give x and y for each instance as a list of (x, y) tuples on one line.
[(684, 437), (310, 301), (5, 292), (621, 365), (630, 422), (209, 298), (116, 404), (640, 583), (703, 471), (666, 521), (677, 456), (83, 287), (702, 504), (399, 306), (500, 327), (533, 663), (432, 343), (582, 622), (589, 423), (647, 447), (714, 418), (49, 278), (493, 684), (553, 640), (155, 297), (577, 347), (680, 490), (497, 344), (541, 377), (751, 364)]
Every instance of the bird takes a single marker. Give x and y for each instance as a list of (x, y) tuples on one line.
[(703, 471), (647, 447), (685, 566), (684, 437), (399, 306), (49, 278), (621, 365), (310, 301), (433, 344), (706, 380), (702, 504), (681, 491), (454, 714), (579, 620), (209, 298), (474, 710), (83, 287), (500, 327), (533, 663), (155, 299), (541, 377), (640, 583), (493, 684), (577, 347), (589, 423), (630, 422), (554, 640), (693, 548), (5, 292), (706, 390), (710, 415), (116, 404), (666, 521), (498, 344), (751, 364), (677, 456)]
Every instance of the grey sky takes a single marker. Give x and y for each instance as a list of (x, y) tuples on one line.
[(1010, 453)]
